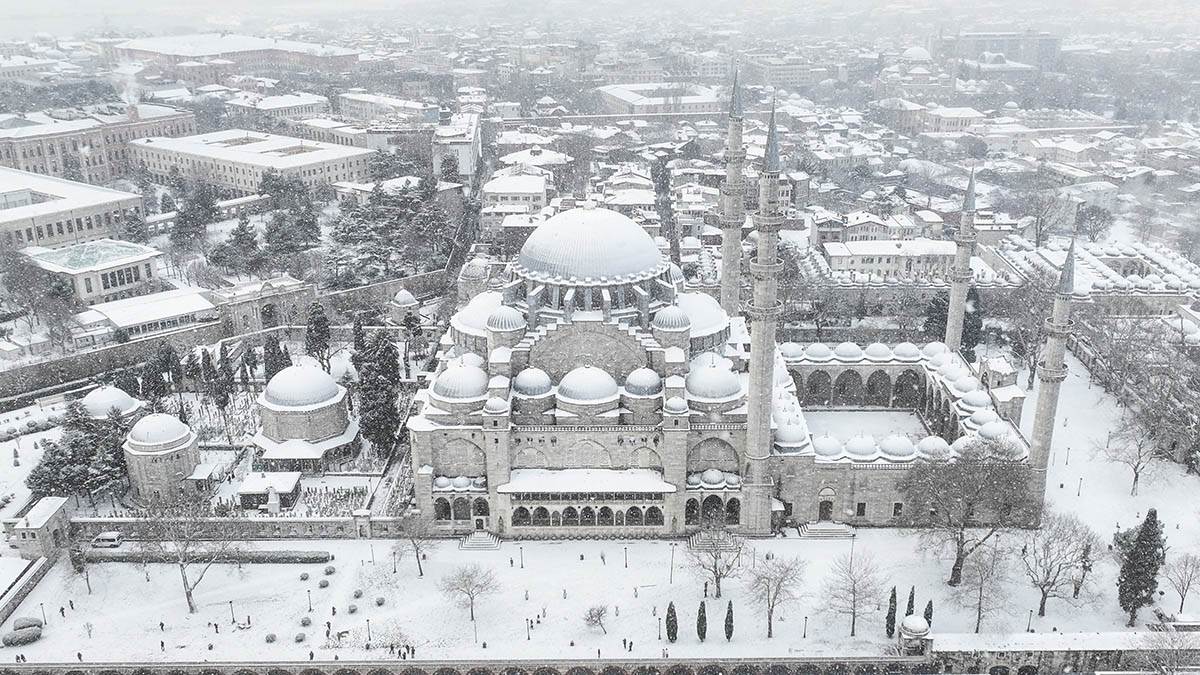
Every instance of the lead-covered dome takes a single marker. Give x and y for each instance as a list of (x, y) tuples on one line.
[(300, 385), (461, 381), (532, 382), (589, 243), (643, 382), (157, 432), (712, 382), (101, 400), (505, 318), (672, 318), (587, 383)]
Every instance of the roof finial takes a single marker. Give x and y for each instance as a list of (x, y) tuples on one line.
[(1066, 277), (736, 109), (771, 157), (969, 200)]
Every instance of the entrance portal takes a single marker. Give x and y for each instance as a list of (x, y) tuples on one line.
[(825, 511), (479, 523)]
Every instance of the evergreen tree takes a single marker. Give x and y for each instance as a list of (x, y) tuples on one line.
[(175, 181), (936, 315), (1138, 581), (171, 366), (108, 461), (154, 386), (358, 335), (65, 467), (672, 623), (127, 381), (134, 228), (912, 601), (272, 357), (166, 203), (701, 622), (199, 210), (378, 385), (316, 336), (729, 621), (929, 612), (245, 254), (890, 621), (222, 388)]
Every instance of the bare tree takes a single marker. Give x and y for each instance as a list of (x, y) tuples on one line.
[(416, 531), (1183, 572), (1169, 651), (594, 617), (985, 580), (716, 561), (1133, 445), (853, 586), (467, 584), (1054, 555), (183, 533), (774, 582), (959, 506)]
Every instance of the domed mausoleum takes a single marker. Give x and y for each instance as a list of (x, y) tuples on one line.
[(305, 423), (162, 457)]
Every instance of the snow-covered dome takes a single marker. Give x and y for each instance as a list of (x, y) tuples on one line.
[(532, 382), (791, 350), (934, 447), (704, 312), (495, 405), (442, 482), (827, 446), (965, 384), (672, 318), (860, 447), (461, 381), (976, 399), (916, 54), (818, 352), (906, 351), (473, 317), (994, 431), (877, 351), (712, 382), (848, 351), (643, 382), (470, 359), (706, 359), (505, 319), (587, 383), (300, 385), (898, 448), (914, 625), (982, 417), (713, 477), (461, 482), (404, 298), (676, 405), (589, 243), (101, 400), (476, 269), (932, 349), (159, 431), (789, 433)]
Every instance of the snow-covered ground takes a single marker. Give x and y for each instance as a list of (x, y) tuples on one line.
[(125, 609), (27, 451), (846, 424)]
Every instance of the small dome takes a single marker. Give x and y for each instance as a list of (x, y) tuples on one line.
[(907, 351), (505, 319), (470, 359), (982, 417), (461, 381), (495, 405), (441, 482), (896, 447), (297, 386), (706, 359), (587, 383), (848, 351), (916, 54), (789, 433), (827, 446), (994, 431), (860, 447), (818, 352), (461, 482), (693, 480), (712, 382), (404, 298), (977, 399), (643, 382), (713, 477), (676, 406), (101, 400), (914, 625), (479, 482), (159, 429), (965, 384), (877, 351), (933, 349), (732, 479), (934, 447), (962, 443), (791, 350), (672, 318), (532, 382), (476, 269)]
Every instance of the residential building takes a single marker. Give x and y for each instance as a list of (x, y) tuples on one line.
[(369, 107), (895, 258), (18, 67), (458, 136), (660, 97), (245, 51), (284, 106)]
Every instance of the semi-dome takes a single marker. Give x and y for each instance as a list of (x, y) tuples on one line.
[(676, 405), (505, 318), (589, 243), (847, 351), (300, 385), (712, 382), (101, 400), (704, 312), (827, 446), (532, 382), (671, 318), (587, 383), (643, 382), (461, 381), (159, 429)]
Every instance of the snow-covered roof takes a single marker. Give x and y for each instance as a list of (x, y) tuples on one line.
[(590, 243), (42, 512), (298, 448), (300, 386), (219, 44), (644, 481), (91, 256), (153, 307), (258, 482), (255, 148)]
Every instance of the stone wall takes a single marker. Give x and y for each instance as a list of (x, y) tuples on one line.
[(283, 527), (15, 594), (341, 305)]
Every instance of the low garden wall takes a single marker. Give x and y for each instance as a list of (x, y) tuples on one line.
[(15, 594)]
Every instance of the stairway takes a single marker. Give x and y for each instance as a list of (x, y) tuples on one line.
[(713, 540), (826, 530), (479, 540)]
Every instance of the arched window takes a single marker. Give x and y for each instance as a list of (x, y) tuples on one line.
[(633, 516), (619, 517), (556, 519), (541, 516), (520, 516), (570, 516), (691, 512), (606, 516), (733, 512), (654, 516), (587, 516), (441, 509), (480, 507), (462, 509)]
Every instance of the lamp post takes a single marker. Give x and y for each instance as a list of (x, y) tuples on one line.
[(805, 634), (672, 577), (522, 550), (626, 557), (1029, 624), (660, 628), (368, 630), (309, 599), (232, 618), (43, 606), (393, 561)]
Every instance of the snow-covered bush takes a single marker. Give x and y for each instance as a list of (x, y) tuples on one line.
[(305, 621), (299, 637), (270, 638), (358, 593), (330, 569), (352, 609), (26, 622), (324, 583), (304, 576), (379, 601), (22, 636)]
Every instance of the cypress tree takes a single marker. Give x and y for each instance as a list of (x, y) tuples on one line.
[(929, 612), (672, 623), (701, 622), (912, 601), (729, 621), (1138, 580), (890, 622), (316, 336), (272, 357)]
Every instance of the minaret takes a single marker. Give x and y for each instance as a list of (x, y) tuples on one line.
[(763, 312), (733, 207), (960, 276), (1051, 369)]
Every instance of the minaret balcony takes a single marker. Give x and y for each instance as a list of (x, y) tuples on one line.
[(756, 312), (765, 270)]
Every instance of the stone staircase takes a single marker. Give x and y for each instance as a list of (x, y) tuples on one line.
[(713, 540), (826, 530), (479, 540)]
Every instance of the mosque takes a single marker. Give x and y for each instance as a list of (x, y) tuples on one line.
[(584, 390)]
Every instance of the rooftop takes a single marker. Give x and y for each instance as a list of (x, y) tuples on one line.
[(252, 147), (218, 44), (25, 195), (90, 256)]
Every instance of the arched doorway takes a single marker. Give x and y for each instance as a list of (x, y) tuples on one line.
[(587, 516), (633, 516), (541, 516), (848, 389), (480, 507), (606, 516), (520, 516), (712, 512), (570, 516), (733, 512), (817, 389), (691, 512), (907, 392), (654, 516), (462, 509), (879, 389), (825, 504), (441, 509)]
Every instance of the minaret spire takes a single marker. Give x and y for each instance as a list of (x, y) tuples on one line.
[(961, 276), (1052, 370), (733, 209), (763, 312)]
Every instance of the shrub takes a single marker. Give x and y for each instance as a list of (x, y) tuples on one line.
[(379, 601), (270, 638), (26, 622), (22, 636), (358, 593), (31, 424), (305, 621), (304, 576), (324, 583), (330, 569), (299, 637), (299, 557), (352, 609)]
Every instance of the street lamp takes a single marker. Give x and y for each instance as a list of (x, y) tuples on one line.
[(522, 550), (626, 557), (393, 561), (309, 599), (232, 618), (368, 630), (1029, 624), (672, 579), (805, 634)]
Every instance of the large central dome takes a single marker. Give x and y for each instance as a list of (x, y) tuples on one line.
[(590, 243)]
